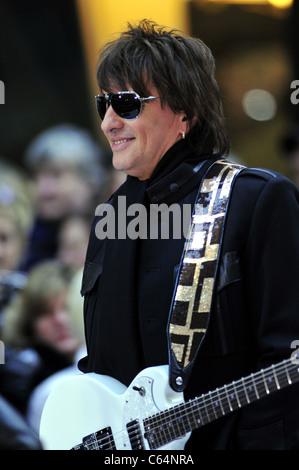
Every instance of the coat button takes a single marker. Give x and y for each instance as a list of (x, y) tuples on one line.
[(174, 187)]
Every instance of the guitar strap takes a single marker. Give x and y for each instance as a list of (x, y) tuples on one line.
[(193, 295)]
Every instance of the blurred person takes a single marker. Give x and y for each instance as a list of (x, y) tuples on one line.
[(37, 334), (16, 216), (73, 239), (69, 176), (40, 394), (15, 434)]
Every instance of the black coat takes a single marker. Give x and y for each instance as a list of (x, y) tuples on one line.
[(254, 318)]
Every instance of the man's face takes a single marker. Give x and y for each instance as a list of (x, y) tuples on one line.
[(138, 145)]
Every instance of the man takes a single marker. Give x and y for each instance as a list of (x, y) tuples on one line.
[(162, 115)]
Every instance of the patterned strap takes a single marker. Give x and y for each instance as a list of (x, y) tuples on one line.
[(192, 300)]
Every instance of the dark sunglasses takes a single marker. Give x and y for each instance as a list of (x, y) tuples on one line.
[(126, 104)]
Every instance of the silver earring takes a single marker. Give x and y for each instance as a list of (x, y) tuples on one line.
[(183, 134)]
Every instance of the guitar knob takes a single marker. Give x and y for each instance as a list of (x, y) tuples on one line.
[(140, 390)]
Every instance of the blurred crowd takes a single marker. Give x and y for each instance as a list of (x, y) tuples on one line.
[(46, 211)]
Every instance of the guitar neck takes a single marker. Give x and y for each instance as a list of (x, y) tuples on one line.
[(177, 421)]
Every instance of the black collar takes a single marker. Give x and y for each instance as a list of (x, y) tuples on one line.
[(177, 174), (177, 184)]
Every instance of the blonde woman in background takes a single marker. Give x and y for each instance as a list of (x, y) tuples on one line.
[(41, 392), (37, 332), (16, 216)]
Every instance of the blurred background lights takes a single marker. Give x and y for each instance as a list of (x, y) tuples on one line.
[(281, 3), (259, 105), (254, 42), (276, 3)]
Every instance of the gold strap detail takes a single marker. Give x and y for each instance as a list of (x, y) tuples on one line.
[(194, 292)]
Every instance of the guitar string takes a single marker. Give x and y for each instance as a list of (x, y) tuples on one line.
[(209, 406), (235, 387), (208, 409), (158, 427), (231, 387)]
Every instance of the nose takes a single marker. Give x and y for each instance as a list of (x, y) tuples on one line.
[(61, 317), (46, 185), (111, 121)]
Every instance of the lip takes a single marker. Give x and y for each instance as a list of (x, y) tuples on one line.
[(121, 142), (63, 335)]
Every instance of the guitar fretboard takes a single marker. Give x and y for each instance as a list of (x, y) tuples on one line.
[(175, 422)]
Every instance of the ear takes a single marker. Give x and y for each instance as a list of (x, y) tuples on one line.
[(189, 124)]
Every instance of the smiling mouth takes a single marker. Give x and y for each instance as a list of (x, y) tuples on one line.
[(122, 141)]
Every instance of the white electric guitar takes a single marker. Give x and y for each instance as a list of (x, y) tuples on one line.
[(96, 412)]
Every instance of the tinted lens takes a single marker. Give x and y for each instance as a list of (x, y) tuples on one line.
[(101, 106), (126, 105)]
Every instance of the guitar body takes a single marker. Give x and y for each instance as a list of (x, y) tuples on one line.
[(96, 412), (106, 415)]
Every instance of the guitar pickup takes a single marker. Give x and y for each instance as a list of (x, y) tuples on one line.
[(100, 440), (135, 435)]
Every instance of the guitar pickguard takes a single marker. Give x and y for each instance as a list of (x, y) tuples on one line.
[(145, 397)]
